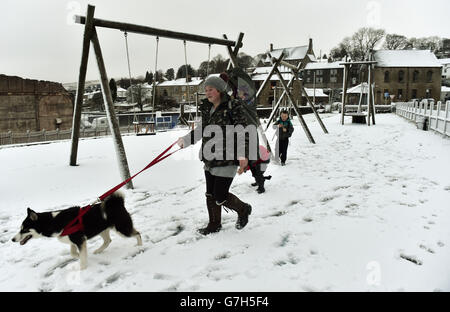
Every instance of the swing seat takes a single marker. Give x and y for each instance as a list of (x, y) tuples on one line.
[(143, 133), (357, 117), (147, 132)]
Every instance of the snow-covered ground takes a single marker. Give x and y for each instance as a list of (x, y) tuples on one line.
[(364, 209)]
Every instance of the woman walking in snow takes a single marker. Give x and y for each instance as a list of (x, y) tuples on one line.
[(218, 111)]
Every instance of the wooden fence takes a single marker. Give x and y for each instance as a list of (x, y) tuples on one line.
[(436, 115)]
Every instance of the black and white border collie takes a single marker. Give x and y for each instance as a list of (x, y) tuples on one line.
[(100, 219)]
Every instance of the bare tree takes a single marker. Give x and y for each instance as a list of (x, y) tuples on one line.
[(395, 42), (342, 50), (204, 69), (220, 64), (426, 43), (244, 61), (364, 41)]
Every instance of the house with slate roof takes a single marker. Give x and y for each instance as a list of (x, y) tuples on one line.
[(402, 75)]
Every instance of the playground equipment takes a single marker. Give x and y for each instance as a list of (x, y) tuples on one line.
[(359, 116), (286, 86), (90, 36)]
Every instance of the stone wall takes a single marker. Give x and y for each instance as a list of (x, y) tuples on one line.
[(34, 105), (408, 87)]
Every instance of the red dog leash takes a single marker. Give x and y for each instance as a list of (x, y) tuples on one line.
[(77, 224)]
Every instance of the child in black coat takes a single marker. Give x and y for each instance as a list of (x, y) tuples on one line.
[(284, 132)]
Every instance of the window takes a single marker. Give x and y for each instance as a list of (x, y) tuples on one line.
[(401, 76), (308, 80), (386, 76), (414, 94), (333, 79), (416, 76), (319, 72), (429, 76), (333, 72), (399, 94), (319, 79)]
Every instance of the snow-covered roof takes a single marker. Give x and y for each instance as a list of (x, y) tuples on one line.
[(292, 53), (406, 58), (445, 61), (147, 86), (120, 89), (317, 92), (324, 65), (195, 81), (445, 89), (262, 77), (357, 89), (266, 70), (124, 104), (260, 73), (312, 57)]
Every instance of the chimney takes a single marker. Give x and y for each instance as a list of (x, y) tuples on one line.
[(310, 47), (271, 47)]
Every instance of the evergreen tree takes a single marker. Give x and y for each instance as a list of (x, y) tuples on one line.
[(181, 72), (170, 74)]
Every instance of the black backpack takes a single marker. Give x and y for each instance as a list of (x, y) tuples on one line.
[(241, 86)]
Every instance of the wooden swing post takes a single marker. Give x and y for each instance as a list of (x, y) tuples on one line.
[(370, 97), (88, 27)]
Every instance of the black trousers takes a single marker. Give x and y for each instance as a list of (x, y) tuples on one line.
[(218, 187), (257, 173), (283, 149)]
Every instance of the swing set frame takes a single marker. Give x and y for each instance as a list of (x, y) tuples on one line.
[(91, 37)]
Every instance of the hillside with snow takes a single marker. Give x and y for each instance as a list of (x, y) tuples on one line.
[(364, 209)]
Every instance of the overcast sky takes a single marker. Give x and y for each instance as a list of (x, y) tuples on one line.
[(38, 41)]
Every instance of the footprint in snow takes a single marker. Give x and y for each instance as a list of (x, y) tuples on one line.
[(59, 266), (293, 203), (179, 228), (337, 188), (110, 280), (222, 256), (162, 276), (412, 259), (328, 198), (277, 214), (428, 249), (284, 240)]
